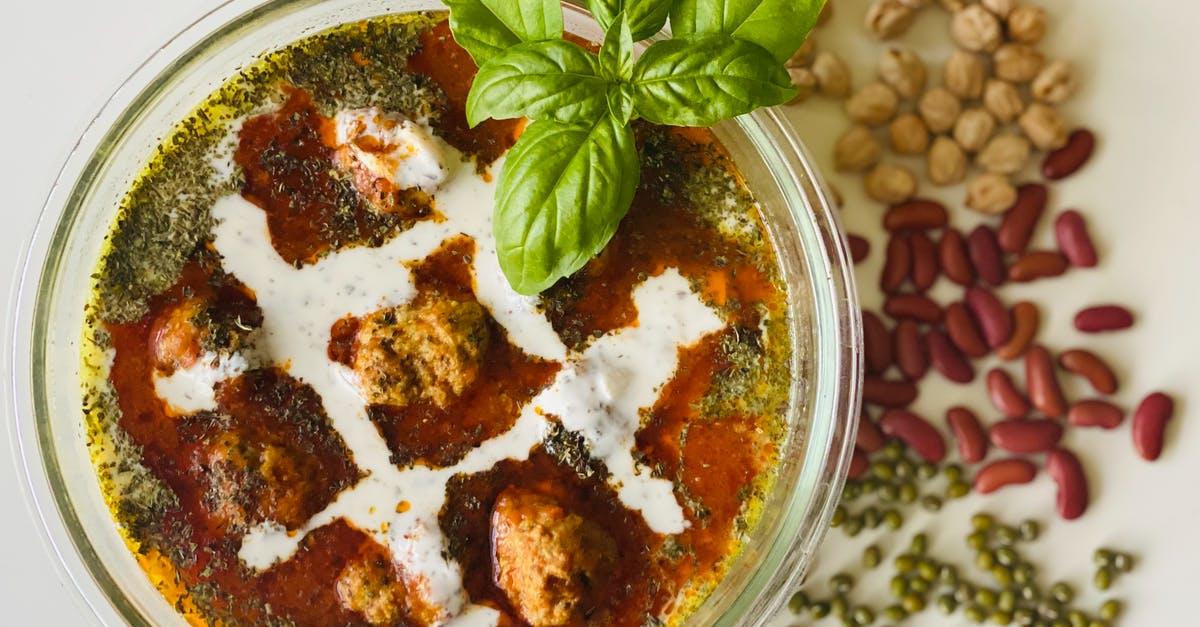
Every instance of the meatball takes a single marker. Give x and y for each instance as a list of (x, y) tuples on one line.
[(547, 559), (369, 586), (176, 335), (185, 330), (431, 351)]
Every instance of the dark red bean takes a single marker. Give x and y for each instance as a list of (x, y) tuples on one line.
[(968, 434), (952, 252), (1005, 396), (1026, 436), (1067, 472), (1037, 265), (888, 393), (868, 438), (946, 358), (1150, 425), (917, 214), (1020, 220), (1042, 383), (1065, 161), (994, 320), (877, 344), (1071, 232), (964, 332), (1004, 472), (1103, 318), (1095, 413), (1025, 327), (909, 350), (858, 465), (896, 265), (916, 432), (915, 306), (986, 256), (859, 247), (924, 261), (1089, 366)]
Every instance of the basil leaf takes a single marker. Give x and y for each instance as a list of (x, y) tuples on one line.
[(562, 192), (702, 79), (541, 80), (487, 27), (777, 25), (620, 102), (646, 17), (616, 55)]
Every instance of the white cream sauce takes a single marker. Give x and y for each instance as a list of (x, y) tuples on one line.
[(597, 393)]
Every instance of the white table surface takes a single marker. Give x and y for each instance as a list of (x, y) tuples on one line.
[(61, 60)]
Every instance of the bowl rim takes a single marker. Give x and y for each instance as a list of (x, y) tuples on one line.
[(838, 367)]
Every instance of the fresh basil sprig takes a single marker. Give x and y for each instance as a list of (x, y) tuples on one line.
[(571, 176)]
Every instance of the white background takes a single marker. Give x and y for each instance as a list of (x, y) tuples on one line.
[(59, 61)]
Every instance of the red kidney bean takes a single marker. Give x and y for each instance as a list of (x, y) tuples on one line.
[(952, 252), (1065, 469), (1042, 383), (946, 358), (1103, 318), (913, 306), (968, 433), (994, 320), (1026, 436), (1019, 221), (1065, 161), (1150, 424), (897, 265), (1071, 232), (1004, 472), (985, 255), (1089, 366), (1095, 413), (1037, 265), (916, 432), (1025, 327), (960, 324), (910, 353), (915, 214), (869, 438), (859, 247), (888, 393), (1005, 395), (877, 344), (858, 465), (924, 261)]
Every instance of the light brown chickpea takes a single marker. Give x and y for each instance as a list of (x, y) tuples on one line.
[(939, 108), (908, 134), (964, 74)]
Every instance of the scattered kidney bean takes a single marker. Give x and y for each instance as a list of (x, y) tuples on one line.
[(913, 306), (877, 344), (968, 434), (1037, 265), (909, 349), (915, 214), (859, 247), (1071, 232), (924, 261), (1095, 413), (994, 320), (1005, 395), (946, 358), (888, 393), (858, 464), (869, 438), (1025, 327), (1103, 318), (1089, 366), (1004, 472), (985, 255), (1019, 221), (916, 432), (896, 265), (1150, 424), (963, 331), (1026, 436), (1065, 469), (1065, 161), (952, 252), (1042, 383)]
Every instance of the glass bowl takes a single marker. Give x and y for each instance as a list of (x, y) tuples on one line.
[(61, 483)]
